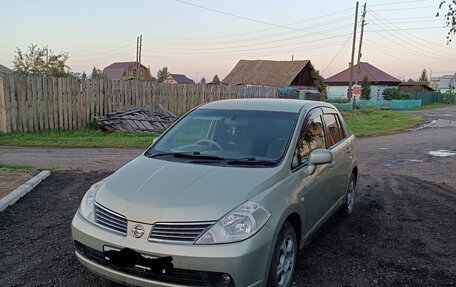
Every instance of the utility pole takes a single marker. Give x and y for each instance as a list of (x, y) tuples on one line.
[(138, 54), (360, 43), (140, 48), (350, 92)]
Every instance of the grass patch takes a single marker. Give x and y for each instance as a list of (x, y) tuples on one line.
[(368, 122), (78, 138), (15, 166)]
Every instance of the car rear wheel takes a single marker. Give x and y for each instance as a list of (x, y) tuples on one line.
[(347, 208), (284, 258)]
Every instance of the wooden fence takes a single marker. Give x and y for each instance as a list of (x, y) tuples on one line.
[(29, 104)]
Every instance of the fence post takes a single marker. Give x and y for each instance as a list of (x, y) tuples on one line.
[(2, 107)]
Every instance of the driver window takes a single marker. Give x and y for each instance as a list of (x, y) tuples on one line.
[(311, 136)]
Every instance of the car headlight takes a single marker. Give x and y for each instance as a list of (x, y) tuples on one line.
[(239, 224), (88, 201)]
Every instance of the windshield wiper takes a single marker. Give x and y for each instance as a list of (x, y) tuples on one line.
[(251, 161), (194, 154)]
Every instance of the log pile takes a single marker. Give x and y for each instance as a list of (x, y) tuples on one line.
[(151, 119)]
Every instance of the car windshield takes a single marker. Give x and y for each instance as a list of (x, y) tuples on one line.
[(235, 137)]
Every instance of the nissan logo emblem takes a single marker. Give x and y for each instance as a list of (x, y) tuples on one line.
[(137, 230)]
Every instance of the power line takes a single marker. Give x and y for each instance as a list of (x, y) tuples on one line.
[(247, 19), (431, 51), (337, 55), (224, 51), (397, 3), (390, 55), (121, 48), (406, 29), (253, 41), (408, 8)]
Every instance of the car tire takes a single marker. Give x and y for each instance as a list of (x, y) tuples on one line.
[(283, 261), (347, 207)]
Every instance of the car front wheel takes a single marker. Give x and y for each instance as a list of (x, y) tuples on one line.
[(284, 257), (347, 208)]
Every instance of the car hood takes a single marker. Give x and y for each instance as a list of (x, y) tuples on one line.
[(151, 190)]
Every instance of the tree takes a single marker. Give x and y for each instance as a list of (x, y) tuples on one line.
[(40, 62), (449, 16), (365, 88), (97, 74), (394, 94), (162, 74), (84, 75), (321, 81), (203, 80), (423, 80), (216, 80)]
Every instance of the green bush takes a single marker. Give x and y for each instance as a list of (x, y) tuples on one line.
[(394, 94), (365, 89)]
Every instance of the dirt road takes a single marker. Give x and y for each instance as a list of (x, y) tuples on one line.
[(402, 232)]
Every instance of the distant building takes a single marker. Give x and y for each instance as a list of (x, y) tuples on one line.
[(412, 86), (5, 71), (281, 74), (337, 85), (178, 79), (434, 83), (447, 82), (126, 71)]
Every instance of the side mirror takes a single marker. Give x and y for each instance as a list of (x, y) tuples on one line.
[(317, 157)]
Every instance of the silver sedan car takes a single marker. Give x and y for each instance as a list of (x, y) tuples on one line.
[(225, 197)]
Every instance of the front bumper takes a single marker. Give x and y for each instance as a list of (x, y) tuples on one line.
[(246, 261)]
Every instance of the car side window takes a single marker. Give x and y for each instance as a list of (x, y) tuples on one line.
[(335, 132), (311, 136)]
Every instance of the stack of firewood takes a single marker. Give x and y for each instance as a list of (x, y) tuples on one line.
[(151, 119)]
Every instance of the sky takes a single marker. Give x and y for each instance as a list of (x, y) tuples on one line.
[(201, 38)]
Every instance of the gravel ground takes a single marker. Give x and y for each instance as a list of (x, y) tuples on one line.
[(402, 232)]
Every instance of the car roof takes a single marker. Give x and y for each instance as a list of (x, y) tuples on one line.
[(279, 105)]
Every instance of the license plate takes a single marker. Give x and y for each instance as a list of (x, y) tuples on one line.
[(127, 258)]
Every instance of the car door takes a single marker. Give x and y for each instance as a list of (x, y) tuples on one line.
[(312, 190), (339, 146)]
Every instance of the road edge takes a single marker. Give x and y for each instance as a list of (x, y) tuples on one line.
[(22, 190)]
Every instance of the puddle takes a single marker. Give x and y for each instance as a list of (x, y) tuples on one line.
[(415, 160), (399, 162), (442, 153), (439, 123)]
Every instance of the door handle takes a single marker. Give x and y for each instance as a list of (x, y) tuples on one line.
[(349, 152)]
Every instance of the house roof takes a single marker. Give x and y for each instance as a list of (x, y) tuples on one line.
[(181, 79), (374, 74), (265, 73), (415, 84), (5, 70), (115, 71)]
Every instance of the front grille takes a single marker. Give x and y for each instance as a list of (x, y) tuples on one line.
[(110, 220), (173, 276), (178, 232)]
